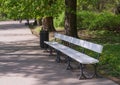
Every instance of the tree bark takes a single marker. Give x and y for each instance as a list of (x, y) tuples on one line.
[(47, 24), (100, 5), (39, 21), (35, 22), (70, 18), (117, 10)]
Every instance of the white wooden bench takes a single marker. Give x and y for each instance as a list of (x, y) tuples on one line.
[(80, 57)]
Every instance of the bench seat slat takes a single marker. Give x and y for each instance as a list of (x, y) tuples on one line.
[(76, 55)]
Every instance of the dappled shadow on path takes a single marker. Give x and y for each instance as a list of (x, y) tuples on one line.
[(28, 60), (12, 26)]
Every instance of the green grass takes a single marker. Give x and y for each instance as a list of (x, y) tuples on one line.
[(110, 57)]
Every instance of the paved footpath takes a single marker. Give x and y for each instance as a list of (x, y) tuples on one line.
[(22, 62)]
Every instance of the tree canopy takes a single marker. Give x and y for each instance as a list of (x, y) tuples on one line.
[(31, 8)]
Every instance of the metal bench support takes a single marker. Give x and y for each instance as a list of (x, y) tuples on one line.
[(95, 75), (58, 60), (82, 76), (69, 67)]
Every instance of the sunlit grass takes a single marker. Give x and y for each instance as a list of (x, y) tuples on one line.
[(38, 28), (59, 28), (110, 57)]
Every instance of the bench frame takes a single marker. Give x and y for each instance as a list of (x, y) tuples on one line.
[(58, 47)]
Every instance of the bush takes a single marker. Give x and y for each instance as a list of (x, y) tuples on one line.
[(59, 20), (84, 19), (115, 23), (103, 20)]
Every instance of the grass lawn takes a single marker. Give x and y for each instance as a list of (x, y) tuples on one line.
[(110, 58)]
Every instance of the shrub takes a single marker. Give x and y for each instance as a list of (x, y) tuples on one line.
[(103, 20), (115, 23), (106, 20), (84, 19), (59, 20)]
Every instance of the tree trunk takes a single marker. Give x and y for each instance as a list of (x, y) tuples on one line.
[(117, 10), (47, 24), (100, 5), (70, 18), (39, 21), (35, 22)]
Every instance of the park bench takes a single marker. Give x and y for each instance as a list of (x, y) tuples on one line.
[(81, 57)]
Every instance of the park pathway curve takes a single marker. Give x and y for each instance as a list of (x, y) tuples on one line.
[(22, 62)]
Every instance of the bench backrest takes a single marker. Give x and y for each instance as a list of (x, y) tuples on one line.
[(83, 43)]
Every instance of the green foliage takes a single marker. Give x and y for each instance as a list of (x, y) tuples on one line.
[(84, 19), (105, 20), (59, 21), (87, 4), (110, 59), (97, 5), (102, 21), (27, 9), (93, 20)]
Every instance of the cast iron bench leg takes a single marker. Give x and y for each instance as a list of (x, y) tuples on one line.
[(69, 67), (82, 75), (58, 57), (95, 75)]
